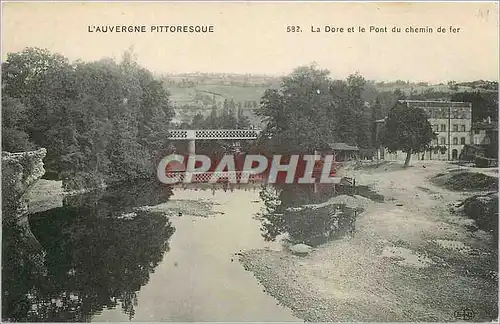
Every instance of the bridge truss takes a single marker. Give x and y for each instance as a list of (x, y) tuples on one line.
[(214, 134)]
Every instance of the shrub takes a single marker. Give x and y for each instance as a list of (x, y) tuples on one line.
[(484, 210)]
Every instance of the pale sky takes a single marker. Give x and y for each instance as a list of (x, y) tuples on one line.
[(252, 37)]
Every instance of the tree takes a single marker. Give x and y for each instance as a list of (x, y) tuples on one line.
[(228, 118), (44, 83), (243, 121), (14, 137), (212, 120), (407, 129), (298, 115), (23, 71), (359, 111), (484, 104), (376, 115), (198, 121), (399, 94), (308, 112), (387, 100), (453, 85), (88, 115)]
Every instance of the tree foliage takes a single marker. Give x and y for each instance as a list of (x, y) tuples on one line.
[(230, 117), (14, 137), (407, 129), (484, 104), (99, 121), (310, 110)]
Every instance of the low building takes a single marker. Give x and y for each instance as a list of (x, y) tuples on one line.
[(470, 151), (342, 151), (450, 120), (485, 135)]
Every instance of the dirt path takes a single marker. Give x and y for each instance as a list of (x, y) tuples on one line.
[(410, 260)]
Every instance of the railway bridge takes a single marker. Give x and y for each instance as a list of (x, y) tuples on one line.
[(215, 134), (211, 134)]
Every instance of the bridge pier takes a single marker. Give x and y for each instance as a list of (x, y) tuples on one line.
[(315, 185), (191, 148), (210, 134), (191, 138)]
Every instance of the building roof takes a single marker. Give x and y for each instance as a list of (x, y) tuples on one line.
[(342, 147), (436, 104), (434, 101), (486, 126)]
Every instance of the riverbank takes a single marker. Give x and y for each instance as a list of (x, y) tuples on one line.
[(48, 194), (411, 258)]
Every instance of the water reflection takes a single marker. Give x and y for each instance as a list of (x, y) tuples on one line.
[(121, 199), (284, 213), (93, 259), (222, 186)]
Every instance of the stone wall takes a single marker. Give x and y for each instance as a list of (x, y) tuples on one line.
[(19, 172)]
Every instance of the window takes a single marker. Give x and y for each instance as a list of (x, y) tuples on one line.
[(462, 140), (455, 128), (435, 142), (476, 132), (455, 140), (443, 127), (462, 128), (443, 141), (435, 128)]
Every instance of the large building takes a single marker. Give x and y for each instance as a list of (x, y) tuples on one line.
[(451, 120)]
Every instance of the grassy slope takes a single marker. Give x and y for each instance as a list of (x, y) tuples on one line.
[(186, 96), (238, 93)]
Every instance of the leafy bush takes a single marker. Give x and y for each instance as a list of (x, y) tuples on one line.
[(466, 181), (484, 210)]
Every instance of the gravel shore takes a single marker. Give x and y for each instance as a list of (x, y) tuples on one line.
[(287, 278), (273, 269), (392, 270)]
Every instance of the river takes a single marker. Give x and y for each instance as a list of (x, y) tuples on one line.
[(174, 261)]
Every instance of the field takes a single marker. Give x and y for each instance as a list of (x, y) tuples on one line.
[(182, 96), (237, 93), (199, 97)]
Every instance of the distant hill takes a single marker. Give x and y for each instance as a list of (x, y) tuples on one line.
[(193, 93), (198, 92)]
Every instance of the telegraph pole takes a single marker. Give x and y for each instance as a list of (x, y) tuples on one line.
[(449, 128)]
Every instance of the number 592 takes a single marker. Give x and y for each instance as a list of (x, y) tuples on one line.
[(293, 29)]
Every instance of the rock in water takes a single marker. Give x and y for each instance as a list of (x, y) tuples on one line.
[(301, 249)]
